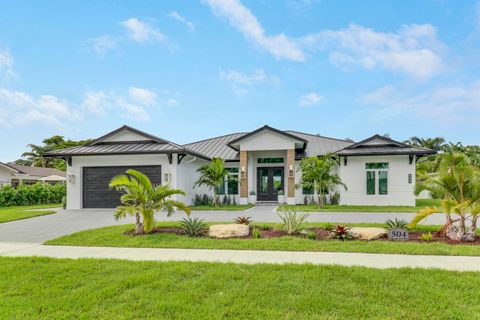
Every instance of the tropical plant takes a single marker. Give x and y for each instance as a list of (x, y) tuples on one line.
[(142, 199), (193, 227), (457, 183), (335, 198), (213, 175), (426, 237), (318, 173), (243, 220), (292, 221), (266, 226), (396, 223), (436, 143), (309, 234), (341, 233), (256, 234)]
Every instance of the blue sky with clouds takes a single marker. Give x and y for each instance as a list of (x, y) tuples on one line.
[(189, 70)]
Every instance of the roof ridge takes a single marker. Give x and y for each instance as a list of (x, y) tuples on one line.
[(217, 137), (321, 136)]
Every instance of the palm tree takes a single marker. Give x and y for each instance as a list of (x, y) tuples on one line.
[(436, 143), (36, 155), (142, 199), (318, 173), (213, 175), (457, 183)]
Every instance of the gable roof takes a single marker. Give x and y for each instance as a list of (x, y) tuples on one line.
[(151, 145), (380, 145), (266, 127)]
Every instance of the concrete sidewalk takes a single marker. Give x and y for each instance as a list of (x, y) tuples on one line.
[(380, 261)]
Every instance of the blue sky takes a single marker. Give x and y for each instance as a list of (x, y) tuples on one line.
[(189, 70)]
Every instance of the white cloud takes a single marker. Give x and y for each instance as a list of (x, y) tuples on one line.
[(142, 96), (240, 81), (175, 15), (310, 99), (413, 50), (96, 102), (141, 31), (173, 102), (132, 111), (19, 108), (103, 44), (6, 63), (446, 104), (241, 18)]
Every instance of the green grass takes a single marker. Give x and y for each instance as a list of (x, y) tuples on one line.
[(230, 207), (43, 288), (18, 213), (113, 237), (421, 203)]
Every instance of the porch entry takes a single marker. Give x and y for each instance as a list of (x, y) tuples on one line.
[(269, 182)]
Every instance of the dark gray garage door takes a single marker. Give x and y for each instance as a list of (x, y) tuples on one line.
[(96, 193)]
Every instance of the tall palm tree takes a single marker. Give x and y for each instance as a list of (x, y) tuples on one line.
[(213, 175), (436, 143), (457, 183), (36, 155), (142, 199), (318, 173)]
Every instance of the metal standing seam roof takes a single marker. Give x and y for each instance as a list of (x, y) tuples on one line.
[(117, 148)]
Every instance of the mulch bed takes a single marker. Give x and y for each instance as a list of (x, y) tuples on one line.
[(322, 234)]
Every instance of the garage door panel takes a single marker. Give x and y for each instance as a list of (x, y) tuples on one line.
[(96, 193)]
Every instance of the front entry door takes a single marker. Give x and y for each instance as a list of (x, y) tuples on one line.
[(269, 182)]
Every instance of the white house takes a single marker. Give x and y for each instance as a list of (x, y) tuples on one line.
[(377, 171), (14, 174)]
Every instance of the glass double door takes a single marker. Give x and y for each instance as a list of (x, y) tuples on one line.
[(269, 182)]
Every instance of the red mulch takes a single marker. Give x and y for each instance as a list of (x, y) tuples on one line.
[(322, 234)]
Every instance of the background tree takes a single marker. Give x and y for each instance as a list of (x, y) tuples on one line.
[(318, 173), (142, 199), (436, 143), (213, 175)]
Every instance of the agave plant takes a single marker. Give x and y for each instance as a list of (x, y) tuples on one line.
[(193, 227), (396, 223), (292, 221)]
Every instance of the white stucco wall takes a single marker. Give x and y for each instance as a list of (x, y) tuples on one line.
[(125, 135), (74, 190), (5, 176), (400, 192), (267, 140)]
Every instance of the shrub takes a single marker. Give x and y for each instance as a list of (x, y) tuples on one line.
[(193, 227), (252, 193), (202, 200), (396, 223), (426, 237), (243, 220), (266, 226), (311, 235), (35, 194), (292, 221), (328, 226), (256, 233), (341, 233), (335, 198)]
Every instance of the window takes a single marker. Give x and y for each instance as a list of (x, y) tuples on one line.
[(270, 160), (231, 183), (377, 178), (307, 191)]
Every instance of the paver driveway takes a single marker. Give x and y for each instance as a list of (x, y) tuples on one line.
[(40, 229)]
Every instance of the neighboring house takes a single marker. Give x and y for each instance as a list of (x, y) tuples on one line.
[(377, 171), (14, 174)]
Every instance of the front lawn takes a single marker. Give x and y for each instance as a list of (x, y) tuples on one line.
[(25, 212), (421, 203), (114, 237), (42, 288), (229, 207)]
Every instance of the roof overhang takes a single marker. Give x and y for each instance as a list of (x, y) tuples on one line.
[(9, 168)]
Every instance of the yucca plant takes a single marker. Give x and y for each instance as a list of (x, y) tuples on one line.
[(243, 220), (292, 221), (142, 199), (193, 227), (396, 223)]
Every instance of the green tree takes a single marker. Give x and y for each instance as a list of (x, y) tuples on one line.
[(36, 155), (142, 199), (213, 175), (457, 184), (436, 143), (319, 173)]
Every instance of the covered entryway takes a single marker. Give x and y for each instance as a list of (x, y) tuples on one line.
[(269, 182), (96, 193)]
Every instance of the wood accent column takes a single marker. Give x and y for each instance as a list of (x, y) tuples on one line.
[(290, 174), (244, 174)]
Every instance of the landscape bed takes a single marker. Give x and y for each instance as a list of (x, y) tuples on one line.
[(43, 288), (166, 236)]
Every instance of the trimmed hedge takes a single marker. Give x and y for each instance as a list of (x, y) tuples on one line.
[(26, 195)]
